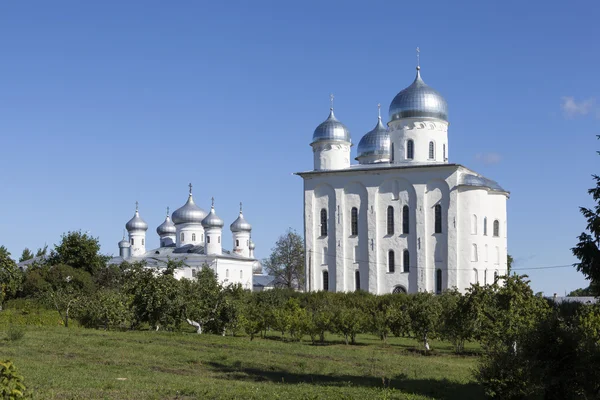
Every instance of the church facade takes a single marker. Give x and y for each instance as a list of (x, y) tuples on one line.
[(195, 237), (404, 219)]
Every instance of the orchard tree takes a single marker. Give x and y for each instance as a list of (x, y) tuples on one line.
[(424, 310), (588, 248), (10, 276), (26, 255), (286, 262), (79, 250)]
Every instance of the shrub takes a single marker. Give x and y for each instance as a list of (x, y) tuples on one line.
[(11, 382), (15, 333)]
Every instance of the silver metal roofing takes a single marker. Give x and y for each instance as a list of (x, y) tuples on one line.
[(418, 100), (240, 224), (480, 181), (374, 143), (212, 220), (136, 223), (331, 129), (189, 213), (166, 228), (124, 243)]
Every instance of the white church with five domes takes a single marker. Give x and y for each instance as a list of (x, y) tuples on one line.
[(404, 219), (195, 237)]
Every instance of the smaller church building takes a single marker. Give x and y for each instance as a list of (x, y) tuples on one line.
[(195, 237)]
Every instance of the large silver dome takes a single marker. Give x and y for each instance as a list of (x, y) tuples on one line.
[(212, 220), (331, 129), (240, 224), (167, 227), (419, 100), (189, 213), (374, 146), (136, 223)]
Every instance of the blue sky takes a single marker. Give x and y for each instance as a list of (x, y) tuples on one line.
[(106, 103)]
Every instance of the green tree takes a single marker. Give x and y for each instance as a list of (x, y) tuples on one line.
[(11, 276), (588, 248), (107, 309), (41, 252), (26, 255), (588, 291), (79, 250), (286, 262), (349, 319), (424, 310), (509, 263)]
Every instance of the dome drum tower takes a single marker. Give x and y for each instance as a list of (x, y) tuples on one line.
[(137, 227), (240, 230), (331, 144), (213, 227)]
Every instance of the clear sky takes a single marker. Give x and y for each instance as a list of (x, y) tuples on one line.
[(108, 102)]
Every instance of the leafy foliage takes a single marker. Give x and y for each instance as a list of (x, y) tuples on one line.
[(11, 276), (78, 250), (11, 382), (286, 262), (26, 255)]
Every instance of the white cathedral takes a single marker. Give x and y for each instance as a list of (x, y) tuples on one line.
[(195, 237), (403, 219)]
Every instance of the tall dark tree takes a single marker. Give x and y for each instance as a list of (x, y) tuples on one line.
[(78, 250), (26, 255), (11, 277), (41, 252), (588, 248), (286, 262)]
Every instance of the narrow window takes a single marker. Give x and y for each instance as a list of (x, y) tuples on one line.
[(496, 228), (193, 273), (405, 220), (391, 261), (431, 151), (495, 275), (438, 218), (218, 239), (392, 153), (354, 224), (132, 241), (474, 252), (390, 220), (207, 239), (182, 237), (438, 281), (142, 242), (409, 149), (444, 151), (485, 277), (324, 255), (485, 226), (326, 281), (474, 225), (323, 222), (406, 261), (475, 276), (357, 280), (193, 237), (237, 243)]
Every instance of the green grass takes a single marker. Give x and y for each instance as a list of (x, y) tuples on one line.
[(76, 363)]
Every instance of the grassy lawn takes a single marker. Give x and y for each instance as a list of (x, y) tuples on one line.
[(78, 363)]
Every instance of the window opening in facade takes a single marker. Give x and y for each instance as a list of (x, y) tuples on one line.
[(405, 220), (390, 220), (326, 281), (391, 261), (406, 261), (410, 149), (438, 218), (354, 221), (323, 222), (438, 281)]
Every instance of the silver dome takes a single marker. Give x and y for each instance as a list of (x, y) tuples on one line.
[(480, 181), (212, 220), (124, 242), (375, 145), (189, 212), (331, 129), (419, 100), (240, 224), (167, 227), (136, 223)]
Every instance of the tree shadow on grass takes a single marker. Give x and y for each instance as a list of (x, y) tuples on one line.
[(328, 342), (442, 389)]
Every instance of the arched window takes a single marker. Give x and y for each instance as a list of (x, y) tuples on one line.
[(207, 239), (438, 218), (391, 261), (193, 237), (485, 226), (323, 222), (142, 241), (431, 151), (405, 220), (438, 281), (326, 281), (390, 220), (218, 239), (495, 275), (410, 150), (324, 255), (398, 290), (182, 236), (485, 277), (132, 241), (406, 261), (475, 276), (444, 147), (496, 228), (357, 280), (474, 225), (354, 221), (392, 153), (474, 252), (237, 243)]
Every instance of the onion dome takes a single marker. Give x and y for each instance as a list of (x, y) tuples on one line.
[(189, 212), (212, 220), (331, 129), (167, 227), (240, 224), (419, 100), (124, 242), (136, 223), (374, 146)]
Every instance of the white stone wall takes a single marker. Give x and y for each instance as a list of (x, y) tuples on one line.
[(331, 155), (371, 191), (192, 234), (213, 245), (241, 243), (421, 131), (229, 271), (137, 239)]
